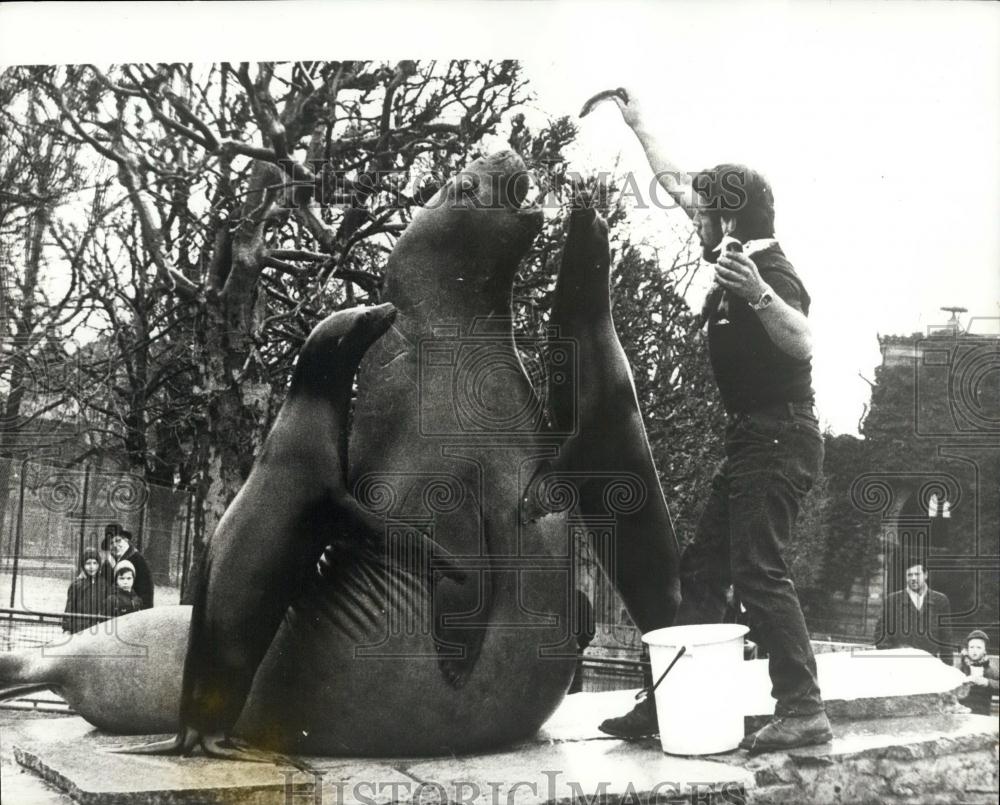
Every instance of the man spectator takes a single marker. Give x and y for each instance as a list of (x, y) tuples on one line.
[(916, 617), (982, 672), (760, 349), (119, 542)]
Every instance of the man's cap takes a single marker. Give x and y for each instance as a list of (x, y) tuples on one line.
[(977, 634), (114, 530)]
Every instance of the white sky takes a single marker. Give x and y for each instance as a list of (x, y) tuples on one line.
[(878, 124)]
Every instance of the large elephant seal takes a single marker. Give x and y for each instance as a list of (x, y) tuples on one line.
[(372, 658), (607, 453), (446, 432)]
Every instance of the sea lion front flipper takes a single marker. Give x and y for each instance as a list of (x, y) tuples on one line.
[(224, 748), (605, 468), (183, 743), (378, 533), (213, 745)]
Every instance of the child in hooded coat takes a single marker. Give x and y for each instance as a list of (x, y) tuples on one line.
[(122, 599), (984, 677), (86, 594)]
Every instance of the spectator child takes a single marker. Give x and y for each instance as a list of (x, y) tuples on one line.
[(123, 600), (982, 673), (86, 594)]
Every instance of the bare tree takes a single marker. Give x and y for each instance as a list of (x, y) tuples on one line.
[(263, 196), (42, 181)]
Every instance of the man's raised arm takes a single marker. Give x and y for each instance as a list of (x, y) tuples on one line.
[(671, 178)]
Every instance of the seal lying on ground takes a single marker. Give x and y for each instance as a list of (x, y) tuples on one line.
[(123, 676)]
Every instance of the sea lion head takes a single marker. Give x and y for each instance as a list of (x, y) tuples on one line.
[(467, 241), (339, 342)]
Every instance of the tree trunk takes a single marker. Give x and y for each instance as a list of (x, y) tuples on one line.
[(237, 414)]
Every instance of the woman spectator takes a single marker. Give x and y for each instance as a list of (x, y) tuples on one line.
[(85, 596), (118, 542)]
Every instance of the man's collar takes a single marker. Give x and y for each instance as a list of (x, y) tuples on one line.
[(758, 245), (750, 247)]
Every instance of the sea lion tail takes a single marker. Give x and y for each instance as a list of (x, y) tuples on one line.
[(18, 676)]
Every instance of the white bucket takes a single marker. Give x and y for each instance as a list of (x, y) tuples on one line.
[(698, 704)]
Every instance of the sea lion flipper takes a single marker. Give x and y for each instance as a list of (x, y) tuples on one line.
[(183, 743), (608, 450), (441, 560), (225, 748), (213, 745), (374, 532)]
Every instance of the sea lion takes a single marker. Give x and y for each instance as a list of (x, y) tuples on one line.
[(266, 546), (607, 458)]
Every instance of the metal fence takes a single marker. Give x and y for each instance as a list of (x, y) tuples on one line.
[(610, 673), (20, 628), (49, 514)]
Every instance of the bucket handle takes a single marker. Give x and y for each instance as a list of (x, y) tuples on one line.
[(673, 662)]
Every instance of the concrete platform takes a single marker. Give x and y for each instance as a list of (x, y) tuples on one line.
[(934, 757), (865, 684)]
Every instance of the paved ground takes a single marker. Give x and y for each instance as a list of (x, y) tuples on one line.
[(18, 786)]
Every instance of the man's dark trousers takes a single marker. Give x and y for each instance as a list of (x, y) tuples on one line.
[(772, 458)]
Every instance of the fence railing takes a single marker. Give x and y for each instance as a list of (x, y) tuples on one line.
[(21, 628)]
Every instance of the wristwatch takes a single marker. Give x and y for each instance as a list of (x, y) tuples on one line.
[(765, 299)]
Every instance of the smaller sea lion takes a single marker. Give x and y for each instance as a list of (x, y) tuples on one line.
[(610, 440), (123, 676), (294, 502)]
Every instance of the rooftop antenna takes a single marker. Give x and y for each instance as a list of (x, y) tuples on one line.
[(953, 323)]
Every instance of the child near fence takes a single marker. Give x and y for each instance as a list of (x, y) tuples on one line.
[(86, 595), (123, 600)]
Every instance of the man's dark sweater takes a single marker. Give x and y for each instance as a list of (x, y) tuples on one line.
[(902, 624)]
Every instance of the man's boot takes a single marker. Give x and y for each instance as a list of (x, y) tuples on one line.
[(639, 722), (787, 732)]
